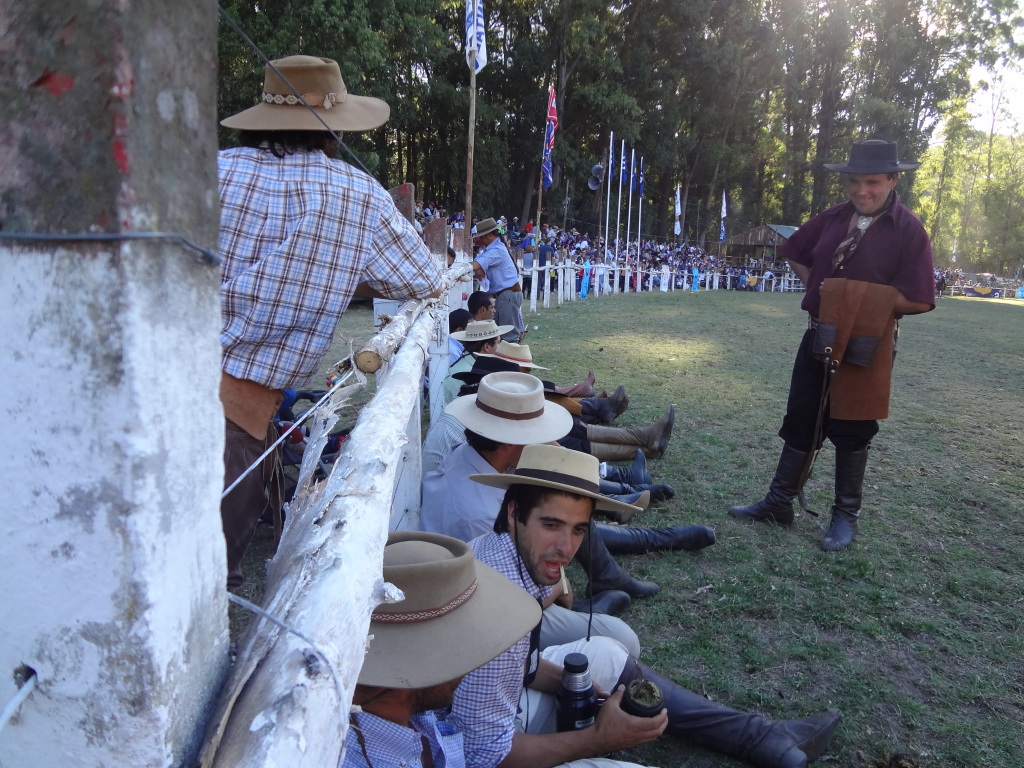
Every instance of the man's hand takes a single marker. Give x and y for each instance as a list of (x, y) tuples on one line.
[(616, 729)]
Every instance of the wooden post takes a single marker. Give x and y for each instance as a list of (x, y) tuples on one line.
[(114, 561)]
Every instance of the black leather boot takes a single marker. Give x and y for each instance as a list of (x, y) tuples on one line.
[(604, 572), (635, 474), (850, 466), (597, 410), (611, 603), (626, 540), (777, 505), (759, 740)]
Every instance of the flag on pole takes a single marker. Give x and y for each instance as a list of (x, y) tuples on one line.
[(678, 206), (476, 40), (549, 136), (640, 183), (722, 233), (632, 172), (622, 172)]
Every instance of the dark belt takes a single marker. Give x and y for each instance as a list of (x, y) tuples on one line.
[(812, 323), (510, 288)]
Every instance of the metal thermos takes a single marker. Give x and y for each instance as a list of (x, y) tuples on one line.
[(577, 701)]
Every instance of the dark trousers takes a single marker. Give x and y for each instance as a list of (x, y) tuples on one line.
[(241, 509), (802, 409)]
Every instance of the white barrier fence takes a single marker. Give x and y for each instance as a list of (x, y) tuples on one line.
[(562, 282)]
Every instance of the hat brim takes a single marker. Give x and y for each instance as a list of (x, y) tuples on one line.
[(502, 330), (427, 653), (871, 169), (487, 231), (356, 113), (520, 363), (554, 423), (505, 480)]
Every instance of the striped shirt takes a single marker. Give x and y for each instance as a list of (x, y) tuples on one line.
[(297, 234)]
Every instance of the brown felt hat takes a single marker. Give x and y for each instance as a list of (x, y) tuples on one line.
[(562, 469), (457, 615), (486, 227), (321, 86)]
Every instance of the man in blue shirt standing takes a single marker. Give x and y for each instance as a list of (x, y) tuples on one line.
[(494, 261)]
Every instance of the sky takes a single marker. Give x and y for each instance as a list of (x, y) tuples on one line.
[(1013, 100)]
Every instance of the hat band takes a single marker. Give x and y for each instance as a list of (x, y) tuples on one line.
[(325, 100), (413, 617), (481, 336), (508, 414), (511, 359), (559, 477)]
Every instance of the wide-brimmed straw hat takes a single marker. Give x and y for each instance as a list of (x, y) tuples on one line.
[(322, 87), (486, 226), (563, 469), (481, 330), (515, 353), (457, 615), (510, 408), (873, 156)]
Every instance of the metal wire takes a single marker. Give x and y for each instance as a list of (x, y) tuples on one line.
[(205, 254)]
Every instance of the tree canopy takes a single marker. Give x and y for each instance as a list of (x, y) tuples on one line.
[(747, 96)]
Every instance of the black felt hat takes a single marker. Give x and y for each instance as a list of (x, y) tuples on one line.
[(873, 156)]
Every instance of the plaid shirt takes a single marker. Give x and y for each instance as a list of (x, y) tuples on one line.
[(389, 745), (297, 234), (487, 700)]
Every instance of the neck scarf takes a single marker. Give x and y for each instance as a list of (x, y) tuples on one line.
[(846, 248)]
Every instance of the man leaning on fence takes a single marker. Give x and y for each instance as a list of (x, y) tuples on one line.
[(865, 263), (300, 235)]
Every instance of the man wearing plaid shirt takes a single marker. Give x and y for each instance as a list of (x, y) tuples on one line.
[(301, 234)]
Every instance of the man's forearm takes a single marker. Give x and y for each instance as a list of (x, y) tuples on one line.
[(905, 306)]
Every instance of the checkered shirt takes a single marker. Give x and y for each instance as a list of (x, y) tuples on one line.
[(389, 745), (487, 699), (297, 234)]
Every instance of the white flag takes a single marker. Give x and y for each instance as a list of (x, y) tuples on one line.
[(723, 204), (678, 206), (476, 40)]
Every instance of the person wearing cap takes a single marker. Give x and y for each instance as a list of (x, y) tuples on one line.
[(456, 615), (300, 235), (507, 719), (865, 263), (458, 319), (494, 261)]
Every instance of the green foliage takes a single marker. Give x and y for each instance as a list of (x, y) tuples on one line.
[(751, 97)]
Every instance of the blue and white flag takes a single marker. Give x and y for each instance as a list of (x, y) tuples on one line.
[(640, 183), (622, 172), (632, 172), (476, 40), (679, 205), (549, 136), (722, 234)]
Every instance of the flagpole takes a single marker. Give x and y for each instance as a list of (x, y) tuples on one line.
[(618, 205), (608, 205), (629, 216), (639, 210), (467, 242)]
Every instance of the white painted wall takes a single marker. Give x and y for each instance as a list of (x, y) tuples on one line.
[(112, 557)]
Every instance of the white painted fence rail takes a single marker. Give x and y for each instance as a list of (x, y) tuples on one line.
[(287, 701)]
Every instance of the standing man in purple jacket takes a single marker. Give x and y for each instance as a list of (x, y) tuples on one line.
[(865, 264)]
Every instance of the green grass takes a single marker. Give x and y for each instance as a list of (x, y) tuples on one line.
[(915, 631)]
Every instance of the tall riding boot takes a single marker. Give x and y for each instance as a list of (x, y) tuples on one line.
[(777, 505), (652, 440), (604, 573), (759, 740), (623, 540), (842, 530), (635, 474), (583, 389), (627, 495), (597, 410)]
